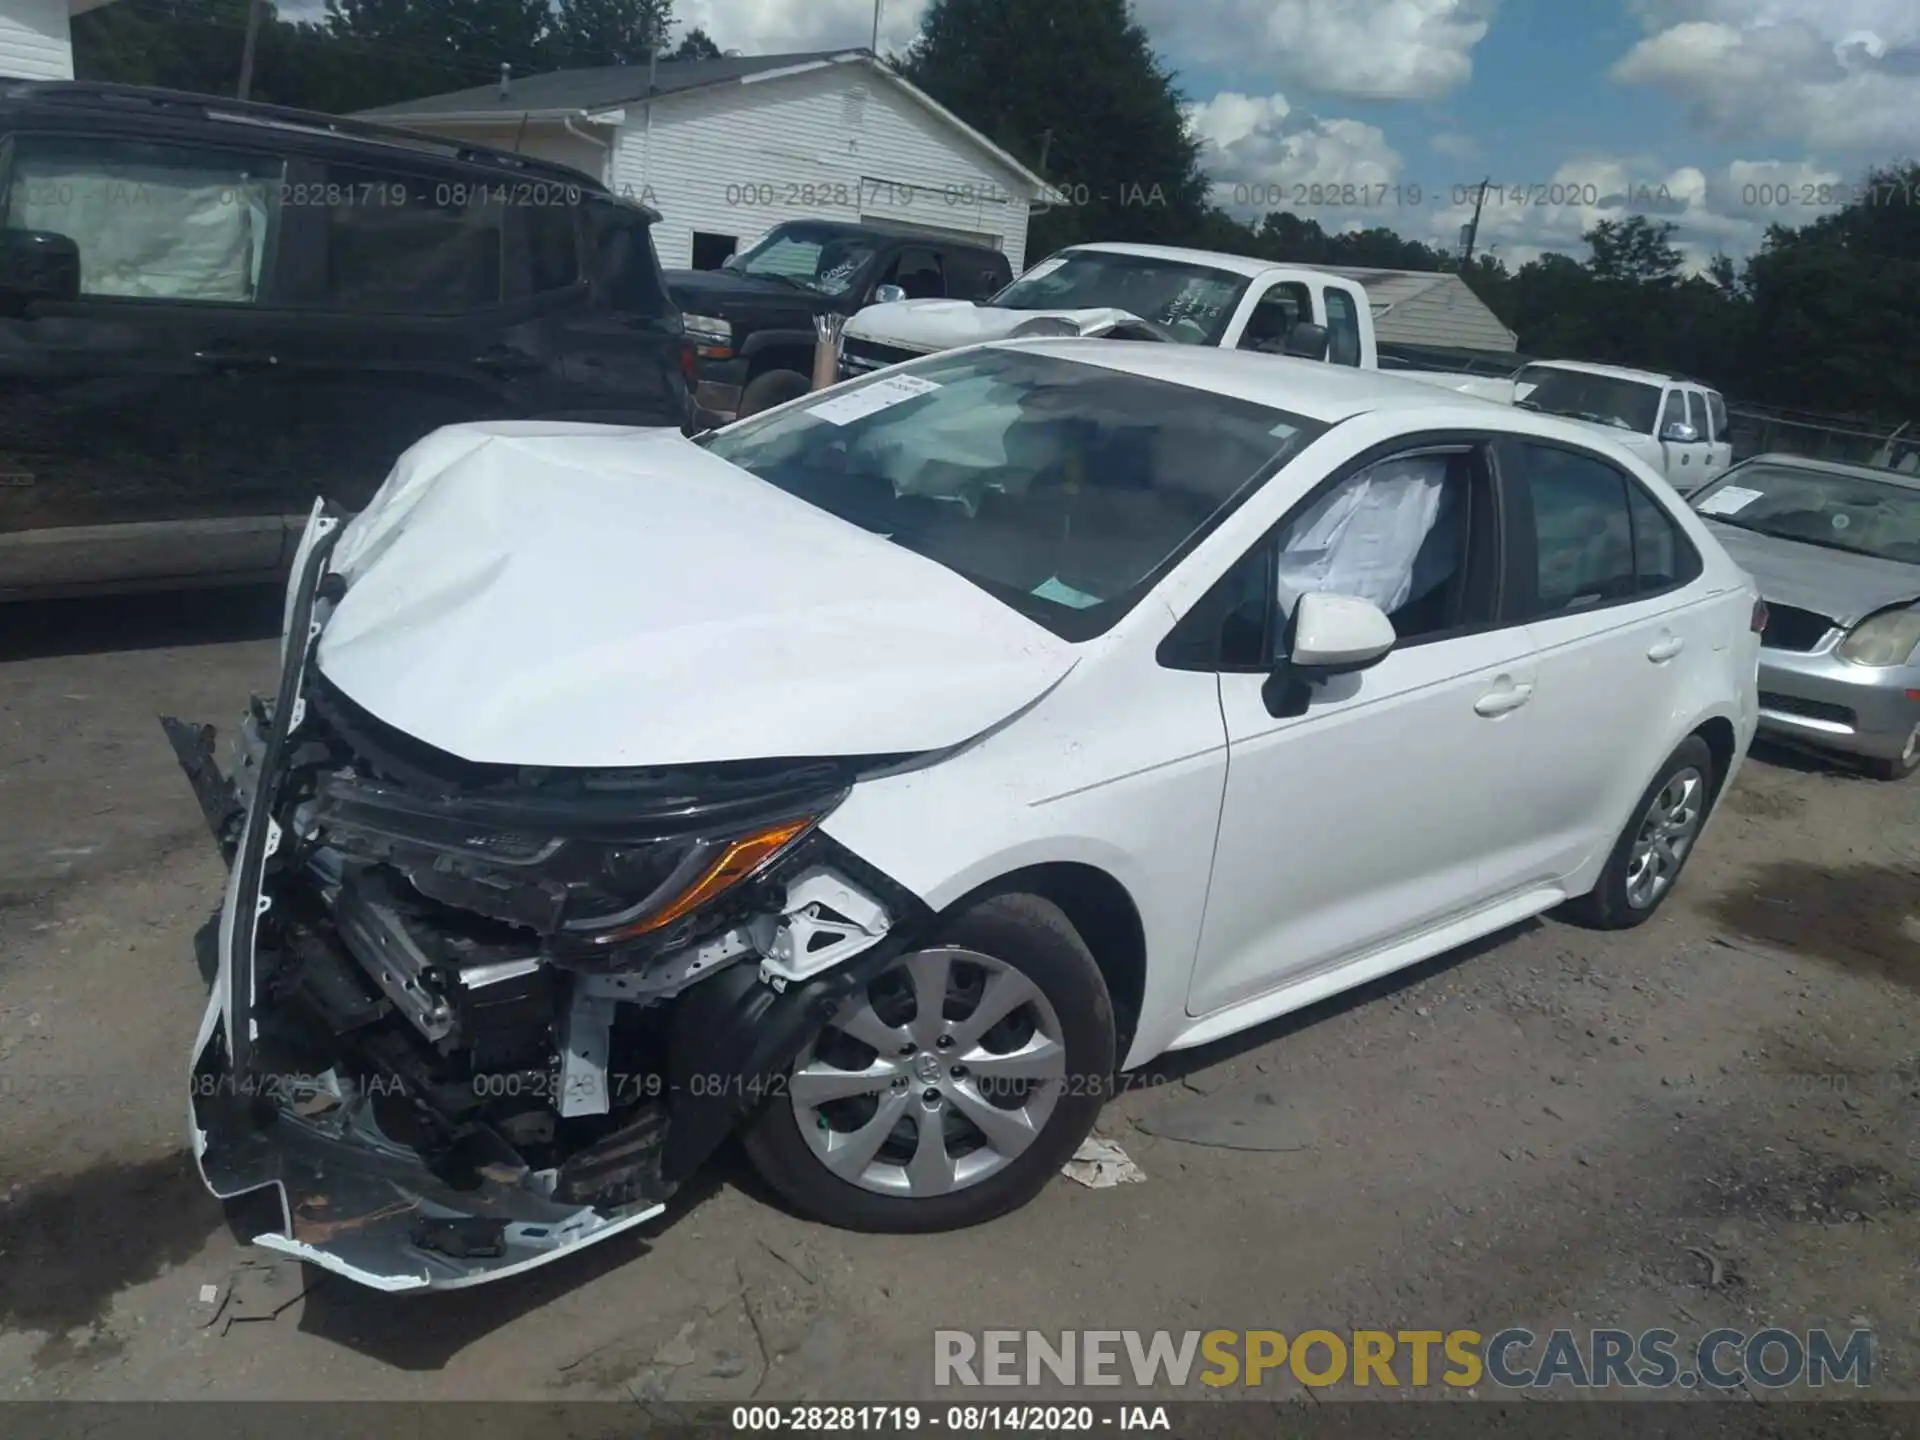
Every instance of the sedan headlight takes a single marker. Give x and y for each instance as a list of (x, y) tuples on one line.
[(708, 331), (1883, 640)]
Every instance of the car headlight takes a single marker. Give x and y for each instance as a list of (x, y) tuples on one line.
[(1883, 640), (590, 888), (708, 330)]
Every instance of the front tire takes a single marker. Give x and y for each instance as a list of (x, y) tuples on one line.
[(954, 1085), (1901, 765), (1654, 848)]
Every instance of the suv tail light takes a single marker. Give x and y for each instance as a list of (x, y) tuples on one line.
[(686, 359), (1758, 622)]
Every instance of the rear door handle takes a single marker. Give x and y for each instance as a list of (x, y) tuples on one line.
[(1505, 696), (1665, 649)]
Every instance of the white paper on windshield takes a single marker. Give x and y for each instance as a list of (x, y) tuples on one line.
[(871, 399), (1045, 267), (1730, 500)]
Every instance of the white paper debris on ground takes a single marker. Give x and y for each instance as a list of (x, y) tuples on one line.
[(1101, 1164)]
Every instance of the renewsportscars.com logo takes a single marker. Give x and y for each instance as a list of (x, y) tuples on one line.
[(1512, 1359)]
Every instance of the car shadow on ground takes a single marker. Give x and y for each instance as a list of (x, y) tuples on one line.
[(1783, 755), (41, 629)]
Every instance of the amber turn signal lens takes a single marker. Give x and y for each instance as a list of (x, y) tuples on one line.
[(740, 859)]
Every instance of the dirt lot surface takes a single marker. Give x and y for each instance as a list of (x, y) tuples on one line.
[(1713, 1120)]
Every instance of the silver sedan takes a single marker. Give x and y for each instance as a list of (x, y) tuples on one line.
[(1836, 550)]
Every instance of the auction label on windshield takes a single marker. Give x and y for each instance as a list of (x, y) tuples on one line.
[(871, 399), (1729, 500)]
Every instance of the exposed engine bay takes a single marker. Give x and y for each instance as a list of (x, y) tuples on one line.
[(468, 1017)]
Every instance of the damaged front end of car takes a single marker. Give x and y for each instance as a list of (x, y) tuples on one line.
[(470, 1017)]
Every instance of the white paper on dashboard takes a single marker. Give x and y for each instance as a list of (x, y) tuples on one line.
[(1728, 501), (871, 399)]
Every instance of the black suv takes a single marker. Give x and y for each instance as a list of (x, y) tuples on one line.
[(752, 320), (212, 311)]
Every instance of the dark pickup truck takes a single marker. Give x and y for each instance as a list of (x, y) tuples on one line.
[(752, 321)]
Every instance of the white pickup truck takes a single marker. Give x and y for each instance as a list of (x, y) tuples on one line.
[(1191, 297)]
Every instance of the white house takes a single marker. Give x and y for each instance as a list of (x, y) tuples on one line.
[(725, 149), (35, 42)]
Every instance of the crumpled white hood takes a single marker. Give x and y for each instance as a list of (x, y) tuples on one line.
[(548, 594), (949, 324)]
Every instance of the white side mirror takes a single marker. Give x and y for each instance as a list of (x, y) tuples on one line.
[(1338, 634), (1680, 433), (888, 294)]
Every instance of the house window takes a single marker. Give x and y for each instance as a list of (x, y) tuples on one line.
[(710, 251)]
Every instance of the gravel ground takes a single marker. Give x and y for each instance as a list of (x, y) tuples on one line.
[(1709, 1121)]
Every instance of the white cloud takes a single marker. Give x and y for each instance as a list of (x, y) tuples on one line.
[(1453, 145), (1832, 74), (1727, 209), (772, 27), (1264, 155)]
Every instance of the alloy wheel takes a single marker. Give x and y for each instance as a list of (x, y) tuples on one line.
[(939, 1073), (1667, 832)]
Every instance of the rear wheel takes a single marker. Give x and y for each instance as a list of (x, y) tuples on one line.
[(951, 1087), (1651, 851), (775, 387)]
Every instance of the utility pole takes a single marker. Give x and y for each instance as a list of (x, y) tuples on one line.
[(1472, 230), (246, 50), (876, 26)]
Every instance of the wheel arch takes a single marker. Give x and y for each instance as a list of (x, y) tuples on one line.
[(1104, 913)]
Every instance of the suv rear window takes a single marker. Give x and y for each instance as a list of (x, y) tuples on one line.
[(624, 268)]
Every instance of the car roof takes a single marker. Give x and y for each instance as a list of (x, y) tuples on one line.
[(1832, 467), (1618, 372), (1238, 264), (1313, 388), (144, 106)]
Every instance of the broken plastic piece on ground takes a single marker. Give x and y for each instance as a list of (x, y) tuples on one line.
[(261, 1289), (1101, 1164), (1230, 1120)]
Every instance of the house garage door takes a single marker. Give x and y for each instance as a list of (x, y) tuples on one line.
[(962, 211)]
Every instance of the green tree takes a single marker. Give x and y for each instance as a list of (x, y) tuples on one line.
[(696, 44), (1634, 250), (608, 32), (1073, 89)]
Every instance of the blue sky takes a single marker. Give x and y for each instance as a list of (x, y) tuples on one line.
[(1738, 111)]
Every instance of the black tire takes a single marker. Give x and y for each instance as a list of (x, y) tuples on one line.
[(1607, 906), (775, 387), (1029, 934), (1897, 767)]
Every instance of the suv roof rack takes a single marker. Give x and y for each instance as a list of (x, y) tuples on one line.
[(81, 93)]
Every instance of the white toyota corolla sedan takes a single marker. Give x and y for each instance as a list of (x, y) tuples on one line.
[(879, 776)]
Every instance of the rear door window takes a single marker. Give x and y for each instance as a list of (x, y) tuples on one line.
[(1343, 328), (152, 221), (623, 267), (407, 244), (1717, 416), (1662, 556), (1583, 528)]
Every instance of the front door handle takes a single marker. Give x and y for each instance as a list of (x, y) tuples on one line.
[(1665, 648), (1504, 697)]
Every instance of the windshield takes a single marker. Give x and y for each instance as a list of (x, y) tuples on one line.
[(1603, 399), (1841, 512), (818, 257), (1193, 302), (1063, 488)]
